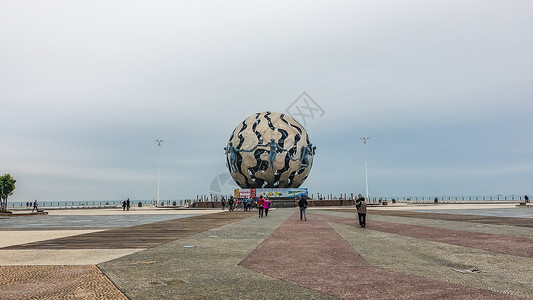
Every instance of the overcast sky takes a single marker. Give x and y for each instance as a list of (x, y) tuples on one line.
[(442, 88)]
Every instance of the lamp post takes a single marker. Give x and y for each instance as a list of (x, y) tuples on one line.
[(158, 167), (364, 139)]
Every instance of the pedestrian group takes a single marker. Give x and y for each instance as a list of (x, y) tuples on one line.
[(263, 205)]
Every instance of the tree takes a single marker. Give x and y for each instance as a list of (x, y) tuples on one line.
[(7, 186)]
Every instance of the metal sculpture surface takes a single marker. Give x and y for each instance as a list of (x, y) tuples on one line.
[(283, 162)]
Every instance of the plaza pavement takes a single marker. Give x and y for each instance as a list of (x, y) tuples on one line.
[(405, 252)]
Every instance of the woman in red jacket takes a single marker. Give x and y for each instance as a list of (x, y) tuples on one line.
[(261, 205)]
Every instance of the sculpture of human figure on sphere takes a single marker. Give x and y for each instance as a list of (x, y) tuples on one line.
[(232, 150), (306, 151), (274, 148)]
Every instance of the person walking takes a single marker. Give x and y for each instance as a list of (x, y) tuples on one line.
[(223, 203), (302, 203), (360, 204), (128, 203), (267, 206), (261, 205), (35, 206)]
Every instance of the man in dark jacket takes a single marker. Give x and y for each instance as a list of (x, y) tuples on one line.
[(230, 203), (360, 204), (302, 203)]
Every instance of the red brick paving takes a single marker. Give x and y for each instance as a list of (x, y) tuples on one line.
[(56, 282), (313, 255)]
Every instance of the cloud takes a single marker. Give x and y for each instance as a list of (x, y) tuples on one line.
[(85, 91)]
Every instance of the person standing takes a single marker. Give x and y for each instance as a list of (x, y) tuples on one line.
[(261, 205), (359, 197), (302, 203), (128, 203), (35, 206), (360, 204), (223, 203), (230, 203), (526, 198), (267, 206), (249, 203)]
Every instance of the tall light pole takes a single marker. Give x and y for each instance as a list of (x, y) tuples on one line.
[(158, 167), (364, 139)]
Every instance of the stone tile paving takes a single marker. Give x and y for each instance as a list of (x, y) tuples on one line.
[(61, 257), (515, 212), (313, 255), (443, 262), (56, 282), (242, 256), (82, 221), (439, 260), (491, 242), (508, 229), (208, 270), (78, 282), (473, 218), (136, 237)]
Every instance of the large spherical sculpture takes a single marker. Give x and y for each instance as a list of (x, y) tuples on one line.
[(269, 150)]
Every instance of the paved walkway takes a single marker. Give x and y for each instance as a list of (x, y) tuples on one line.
[(399, 255)]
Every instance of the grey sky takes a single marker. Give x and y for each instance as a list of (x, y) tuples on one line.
[(443, 89)]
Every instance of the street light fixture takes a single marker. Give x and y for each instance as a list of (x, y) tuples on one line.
[(364, 139), (158, 167)]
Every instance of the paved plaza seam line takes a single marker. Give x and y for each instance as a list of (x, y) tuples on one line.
[(111, 281)]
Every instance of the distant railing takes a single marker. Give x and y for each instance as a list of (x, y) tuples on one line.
[(189, 202), (428, 199), (76, 204), (97, 204)]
